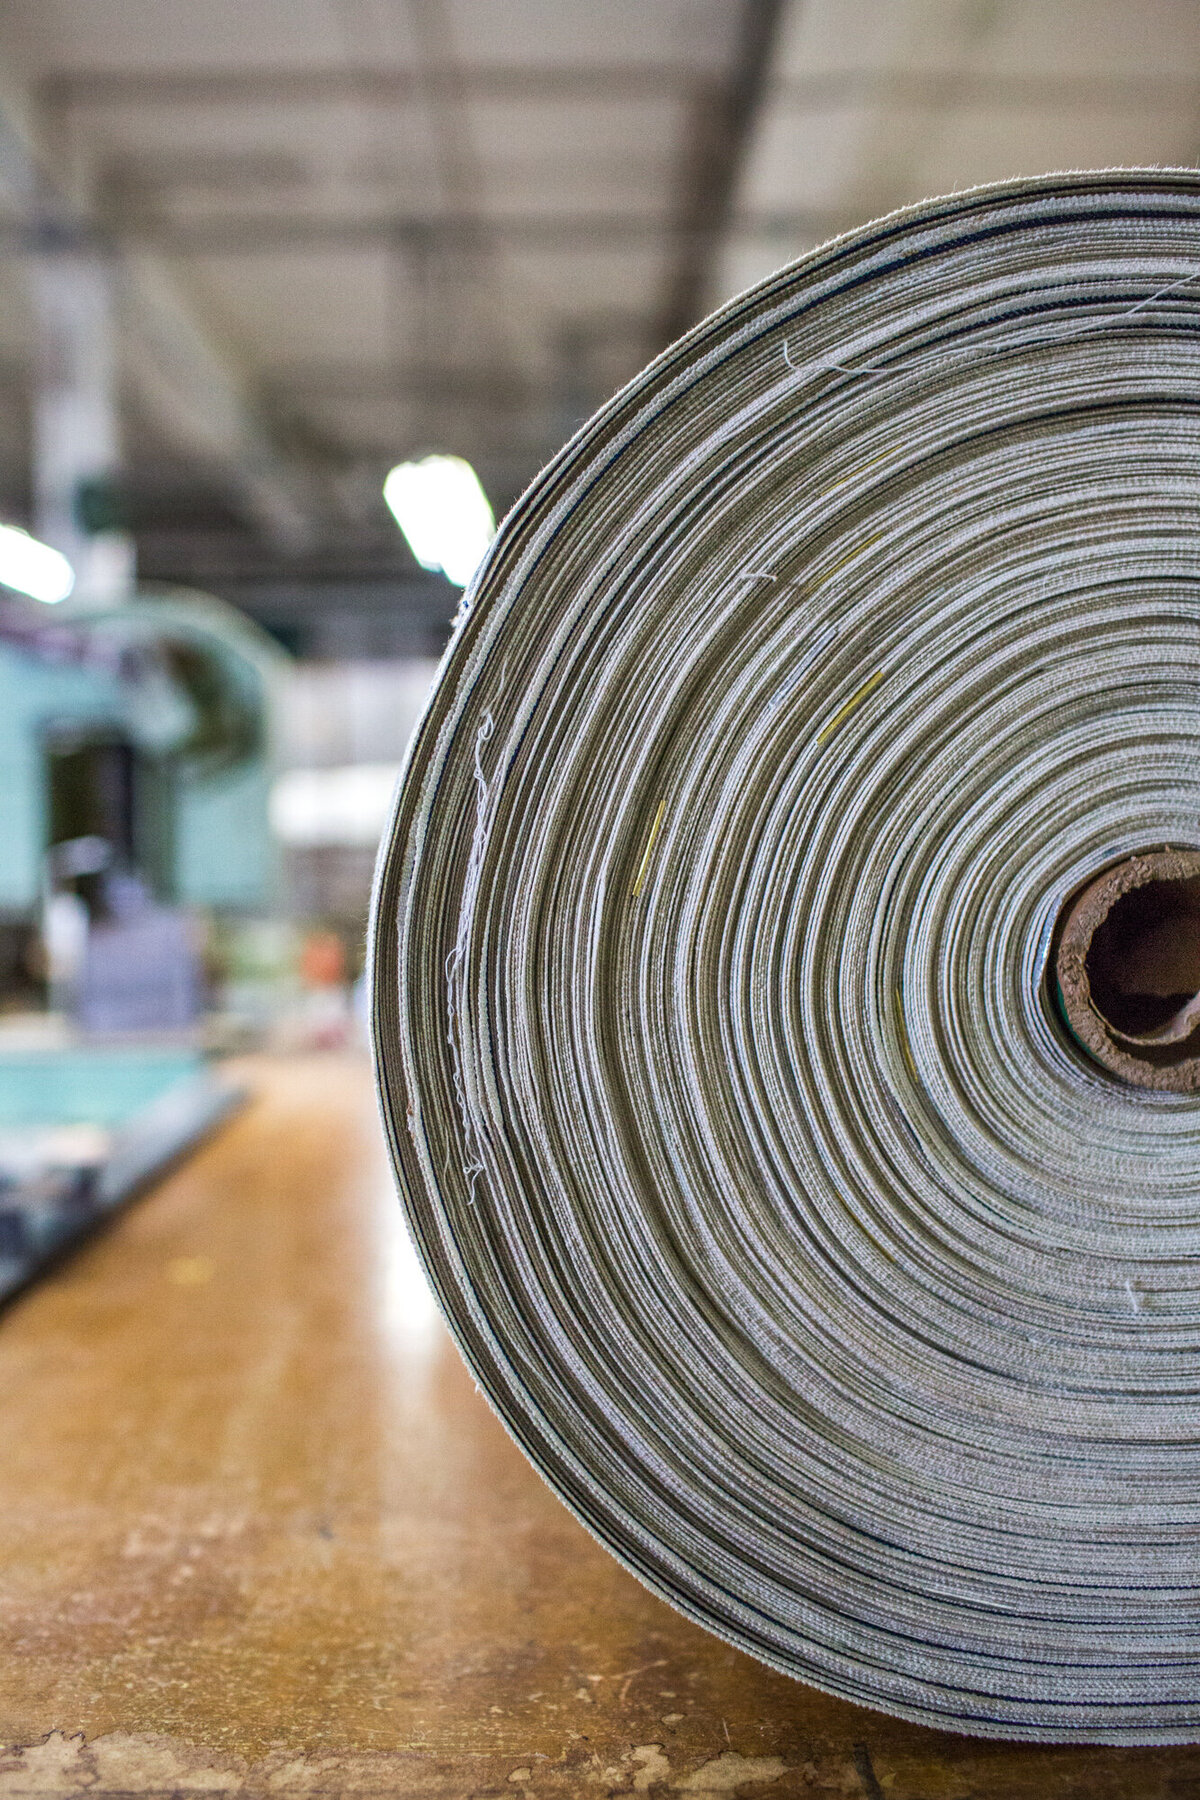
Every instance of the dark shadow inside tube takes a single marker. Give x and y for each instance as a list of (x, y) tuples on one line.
[(1143, 964)]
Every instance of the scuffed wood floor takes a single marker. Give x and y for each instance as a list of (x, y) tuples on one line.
[(261, 1536)]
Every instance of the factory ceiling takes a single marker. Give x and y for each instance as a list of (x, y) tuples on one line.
[(349, 231)]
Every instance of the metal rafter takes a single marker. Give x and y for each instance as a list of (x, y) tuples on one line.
[(261, 233), (103, 89), (181, 379), (718, 133)]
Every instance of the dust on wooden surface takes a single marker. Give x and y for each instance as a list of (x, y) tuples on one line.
[(261, 1536)]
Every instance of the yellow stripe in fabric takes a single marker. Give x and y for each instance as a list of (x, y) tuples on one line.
[(857, 699), (644, 865)]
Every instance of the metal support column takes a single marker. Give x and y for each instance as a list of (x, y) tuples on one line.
[(75, 429)]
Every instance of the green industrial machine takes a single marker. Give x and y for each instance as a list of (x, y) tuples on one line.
[(145, 727), (135, 771)]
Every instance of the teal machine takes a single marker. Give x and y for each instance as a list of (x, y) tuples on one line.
[(148, 726), (143, 731)]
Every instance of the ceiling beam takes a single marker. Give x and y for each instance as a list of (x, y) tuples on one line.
[(186, 385), (101, 89), (255, 234), (717, 135), (193, 394)]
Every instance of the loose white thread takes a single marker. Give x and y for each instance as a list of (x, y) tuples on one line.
[(455, 964), (1068, 335)]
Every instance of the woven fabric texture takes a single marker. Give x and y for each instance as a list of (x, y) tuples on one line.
[(788, 1231)]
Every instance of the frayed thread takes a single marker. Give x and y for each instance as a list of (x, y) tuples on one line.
[(971, 352), (456, 959)]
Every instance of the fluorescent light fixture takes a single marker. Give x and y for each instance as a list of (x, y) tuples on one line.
[(443, 512), (33, 568)]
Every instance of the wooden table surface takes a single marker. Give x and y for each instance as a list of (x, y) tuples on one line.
[(262, 1536)]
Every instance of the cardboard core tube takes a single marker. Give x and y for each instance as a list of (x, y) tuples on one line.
[(1128, 968)]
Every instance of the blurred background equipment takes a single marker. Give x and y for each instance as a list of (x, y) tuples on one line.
[(258, 257)]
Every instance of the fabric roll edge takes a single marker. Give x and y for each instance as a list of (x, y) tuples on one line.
[(1079, 992)]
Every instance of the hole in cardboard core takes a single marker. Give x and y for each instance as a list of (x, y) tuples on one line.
[(1143, 964), (1128, 968)]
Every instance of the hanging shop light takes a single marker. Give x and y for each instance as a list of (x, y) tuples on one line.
[(33, 568), (443, 512)]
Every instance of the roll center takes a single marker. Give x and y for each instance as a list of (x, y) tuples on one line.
[(1128, 968)]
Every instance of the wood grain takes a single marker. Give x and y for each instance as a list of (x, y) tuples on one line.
[(261, 1536)]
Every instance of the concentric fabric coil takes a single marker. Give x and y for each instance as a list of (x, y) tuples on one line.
[(788, 1229)]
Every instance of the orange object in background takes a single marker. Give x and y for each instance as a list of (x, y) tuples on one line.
[(323, 960)]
